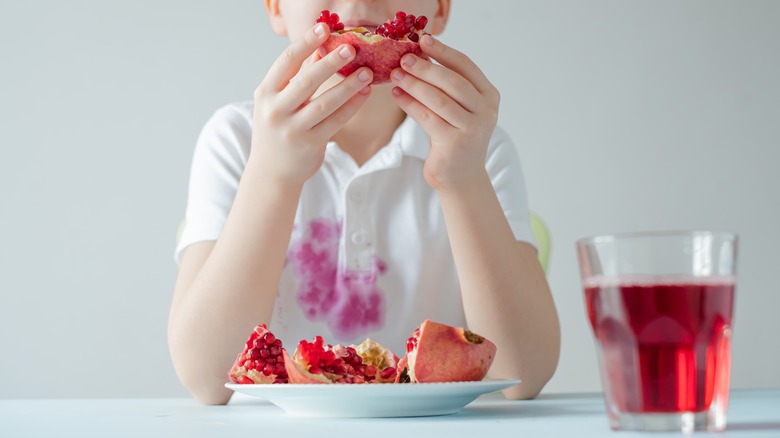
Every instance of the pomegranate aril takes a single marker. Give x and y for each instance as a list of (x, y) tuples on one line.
[(421, 22), (414, 37), (269, 338), (245, 380), (387, 373), (411, 343)]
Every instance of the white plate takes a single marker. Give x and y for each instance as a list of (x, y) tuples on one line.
[(373, 400)]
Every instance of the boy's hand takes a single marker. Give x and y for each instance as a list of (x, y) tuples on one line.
[(456, 105), (291, 126)]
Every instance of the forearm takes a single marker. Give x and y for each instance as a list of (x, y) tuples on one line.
[(235, 288), (504, 290)]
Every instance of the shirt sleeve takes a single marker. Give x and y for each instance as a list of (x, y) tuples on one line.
[(506, 174), (219, 159)]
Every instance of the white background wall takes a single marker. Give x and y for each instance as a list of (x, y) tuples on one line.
[(627, 115)]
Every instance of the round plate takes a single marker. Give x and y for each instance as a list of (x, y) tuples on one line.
[(373, 400)]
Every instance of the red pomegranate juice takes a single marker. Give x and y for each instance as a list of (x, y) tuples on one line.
[(665, 345)]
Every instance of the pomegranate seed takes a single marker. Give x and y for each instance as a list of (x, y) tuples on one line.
[(421, 22), (254, 353), (268, 369), (274, 350), (269, 338), (370, 371), (264, 353), (245, 380), (400, 15), (411, 344), (387, 373), (414, 37)]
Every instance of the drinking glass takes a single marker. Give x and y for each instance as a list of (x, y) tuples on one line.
[(660, 305)]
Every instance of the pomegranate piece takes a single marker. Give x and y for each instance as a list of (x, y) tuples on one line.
[(262, 360), (381, 358), (440, 353), (380, 50), (316, 362)]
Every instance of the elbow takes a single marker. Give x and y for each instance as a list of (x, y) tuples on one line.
[(208, 390), (204, 380), (211, 396), (538, 372)]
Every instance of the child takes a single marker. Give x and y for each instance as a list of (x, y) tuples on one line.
[(331, 207)]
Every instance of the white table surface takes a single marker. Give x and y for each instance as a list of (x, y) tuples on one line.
[(752, 413)]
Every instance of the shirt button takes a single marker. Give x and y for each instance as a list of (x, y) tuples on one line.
[(359, 237), (356, 195)]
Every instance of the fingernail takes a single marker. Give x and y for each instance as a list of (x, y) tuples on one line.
[(428, 40), (322, 52), (363, 76), (409, 60), (319, 29), (344, 53), (398, 75)]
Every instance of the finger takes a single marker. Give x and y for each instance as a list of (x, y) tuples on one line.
[(291, 59), (334, 122), (457, 62), (431, 123), (449, 82), (434, 99), (309, 80), (334, 98)]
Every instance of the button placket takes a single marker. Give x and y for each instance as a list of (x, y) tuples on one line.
[(357, 238)]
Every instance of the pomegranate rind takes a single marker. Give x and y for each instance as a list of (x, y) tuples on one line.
[(376, 52), (449, 354), (297, 373)]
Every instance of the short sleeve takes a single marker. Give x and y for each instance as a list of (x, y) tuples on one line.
[(506, 174), (218, 162)]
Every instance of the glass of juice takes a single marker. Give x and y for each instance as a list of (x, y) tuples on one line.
[(661, 305)]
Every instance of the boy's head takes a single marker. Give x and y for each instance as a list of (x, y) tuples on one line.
[(294, 17)]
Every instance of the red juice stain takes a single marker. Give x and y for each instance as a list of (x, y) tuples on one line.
[(347, 300)]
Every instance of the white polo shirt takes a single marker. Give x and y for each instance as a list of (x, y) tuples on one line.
[(369, 255)]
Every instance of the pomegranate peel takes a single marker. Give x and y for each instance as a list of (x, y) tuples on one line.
[(440, 353), (379, 50), (297, 373)]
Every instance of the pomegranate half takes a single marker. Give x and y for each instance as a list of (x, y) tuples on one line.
[(380, 50), (440, 353)]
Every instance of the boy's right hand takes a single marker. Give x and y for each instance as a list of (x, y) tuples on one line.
[(290, 126)]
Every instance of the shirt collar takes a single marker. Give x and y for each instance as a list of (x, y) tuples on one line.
[(409, 138)]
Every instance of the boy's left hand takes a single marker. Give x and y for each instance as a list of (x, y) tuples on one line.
[(456, 105)]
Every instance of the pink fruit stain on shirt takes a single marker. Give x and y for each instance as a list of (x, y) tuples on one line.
[(347, 300)]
